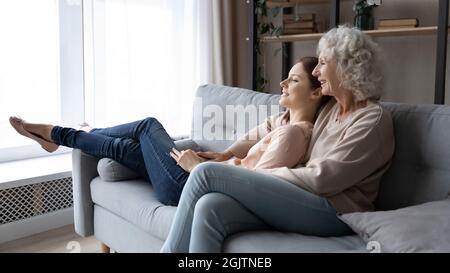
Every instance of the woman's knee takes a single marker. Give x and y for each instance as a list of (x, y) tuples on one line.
[(206, 169), (208, 213), (208, 204), (150, 123), (150, 120), (203, 173)]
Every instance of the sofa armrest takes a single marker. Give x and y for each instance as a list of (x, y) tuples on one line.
[(84, 169)]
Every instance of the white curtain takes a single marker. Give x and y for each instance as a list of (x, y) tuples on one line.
[(147, 58), (215, 41), (29, 71)]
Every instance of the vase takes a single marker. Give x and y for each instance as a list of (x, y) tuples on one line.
[(364, 21)]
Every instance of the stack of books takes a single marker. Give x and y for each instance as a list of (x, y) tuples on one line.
[(299, 23), (398, 23)]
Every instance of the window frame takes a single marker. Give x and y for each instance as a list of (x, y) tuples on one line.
[(71, 78)]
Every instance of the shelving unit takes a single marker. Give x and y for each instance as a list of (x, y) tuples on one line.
[(373, 33), (441, 30), (289, 4)]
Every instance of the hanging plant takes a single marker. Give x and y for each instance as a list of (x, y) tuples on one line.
[(264, 28)]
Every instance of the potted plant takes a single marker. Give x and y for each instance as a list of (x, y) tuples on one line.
[(364, 16)]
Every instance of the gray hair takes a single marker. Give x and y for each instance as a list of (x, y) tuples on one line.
[(358, 61)]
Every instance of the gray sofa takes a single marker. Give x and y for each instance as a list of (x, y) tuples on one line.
[(121, 210)]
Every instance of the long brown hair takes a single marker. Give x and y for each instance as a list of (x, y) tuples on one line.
[(309, 63)]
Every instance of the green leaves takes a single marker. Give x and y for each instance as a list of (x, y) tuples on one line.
[(365, 6), (261, 82), (268, 29)]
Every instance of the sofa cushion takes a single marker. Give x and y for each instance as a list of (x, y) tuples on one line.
[(110, 170), (135, 201), (419, 172), (421, 228), (273, 241), (187, 143)]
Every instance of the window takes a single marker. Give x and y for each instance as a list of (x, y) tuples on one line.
[(29, 67), (40, 69), (139, 62), (104, 62)]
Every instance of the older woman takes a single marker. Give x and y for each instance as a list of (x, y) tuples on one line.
[(351, 147)]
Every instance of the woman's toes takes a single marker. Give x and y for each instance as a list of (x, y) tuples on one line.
[(16, 120), (16, 123)]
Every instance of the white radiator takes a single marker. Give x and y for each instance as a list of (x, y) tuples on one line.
[(35, 207)]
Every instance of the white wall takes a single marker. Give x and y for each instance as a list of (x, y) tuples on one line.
[(410, 61)]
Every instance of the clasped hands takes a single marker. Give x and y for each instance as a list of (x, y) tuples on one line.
[(188, 159)]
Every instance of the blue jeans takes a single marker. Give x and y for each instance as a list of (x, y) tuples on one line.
[(219, 200), (142, 146)]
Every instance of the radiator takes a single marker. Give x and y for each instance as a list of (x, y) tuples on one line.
[(34, 208)]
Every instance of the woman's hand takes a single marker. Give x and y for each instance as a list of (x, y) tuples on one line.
[(187, 159), (216, 156)]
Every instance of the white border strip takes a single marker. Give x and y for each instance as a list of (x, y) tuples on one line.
[(37, 224)]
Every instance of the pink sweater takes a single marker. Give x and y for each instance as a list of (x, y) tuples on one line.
[(285, 146)]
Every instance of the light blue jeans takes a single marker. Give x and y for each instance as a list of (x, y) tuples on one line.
[(219, 200)]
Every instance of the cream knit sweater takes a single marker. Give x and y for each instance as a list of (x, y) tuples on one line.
[(345, 160)]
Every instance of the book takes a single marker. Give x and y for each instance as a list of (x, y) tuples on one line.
[(302, 17), (398, 22), (309, 24)]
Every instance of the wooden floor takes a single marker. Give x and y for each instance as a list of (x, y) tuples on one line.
[(61, 240)]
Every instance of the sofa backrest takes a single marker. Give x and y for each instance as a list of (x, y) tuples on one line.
[(420, 170), (221, 114)]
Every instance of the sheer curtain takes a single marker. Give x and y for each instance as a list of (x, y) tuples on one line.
[(29, 70), (147, 58), (216, 41)]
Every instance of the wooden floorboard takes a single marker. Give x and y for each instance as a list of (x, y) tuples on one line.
[(61, 240)]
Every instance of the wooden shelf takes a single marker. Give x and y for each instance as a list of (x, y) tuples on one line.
[(374, 33), (293, 3)]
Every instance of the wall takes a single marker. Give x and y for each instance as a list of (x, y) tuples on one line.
[(243, 52), (409, 60)]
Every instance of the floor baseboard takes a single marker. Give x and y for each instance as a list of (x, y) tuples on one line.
[(34, 225)]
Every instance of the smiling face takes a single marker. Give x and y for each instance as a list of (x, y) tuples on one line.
[(297, 89), (326, 73)]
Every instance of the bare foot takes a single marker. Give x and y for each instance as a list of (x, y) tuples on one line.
[(43, 131), (18, 125)]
